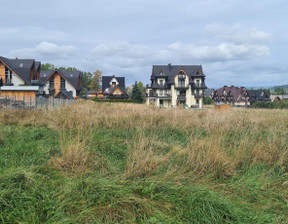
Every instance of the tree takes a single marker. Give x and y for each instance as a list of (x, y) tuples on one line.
[(47, 67), (208, 101), (136, 94), (280, 91), (142, 89), (95, 80)]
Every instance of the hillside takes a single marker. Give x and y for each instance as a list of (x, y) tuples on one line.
[(126, 163)]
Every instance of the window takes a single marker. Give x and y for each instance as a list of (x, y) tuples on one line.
[(197, 83), (181, 75), (51, 83), (161, 82), (177, 92), (8, 75), (113, 83), (62, 83), (181, 83), (161, 92), (197, 101)]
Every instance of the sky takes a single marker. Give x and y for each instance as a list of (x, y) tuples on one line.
[(237, 42)]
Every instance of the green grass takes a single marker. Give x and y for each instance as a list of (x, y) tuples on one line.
[(34, 191)]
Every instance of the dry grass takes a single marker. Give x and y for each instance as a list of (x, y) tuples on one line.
[(232, 138)]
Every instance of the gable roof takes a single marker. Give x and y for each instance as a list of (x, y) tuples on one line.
[(232, 91), (73, 77), (171, 70), (22, 67), (65, 94), (106, 80)]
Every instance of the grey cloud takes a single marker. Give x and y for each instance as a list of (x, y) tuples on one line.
[(45, 50)]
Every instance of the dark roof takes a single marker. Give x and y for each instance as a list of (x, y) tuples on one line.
[(238, 94), (44, 75), (71, 76), (22, 67), (65, 94), (171, 70), (258, 95), (106, 80)]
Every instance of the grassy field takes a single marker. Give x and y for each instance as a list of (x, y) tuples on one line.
[(127, 163)]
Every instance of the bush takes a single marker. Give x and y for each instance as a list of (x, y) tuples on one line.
[(208, 101), (114, 100), (278, 104)]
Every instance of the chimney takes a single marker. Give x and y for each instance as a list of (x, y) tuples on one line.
[(169, 66)]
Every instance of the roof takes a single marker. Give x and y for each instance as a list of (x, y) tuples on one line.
[(71, 76), (232, 91), (66, 94), (171, 70), (44, 75), (258, 94), (19, 88), (106, 80), (21, 67)]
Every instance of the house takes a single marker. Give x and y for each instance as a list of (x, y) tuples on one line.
[(176, 85), (232, 95), (19, 78), (61, 83), (258, 95), (114, 87)]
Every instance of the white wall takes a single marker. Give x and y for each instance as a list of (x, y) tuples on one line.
[(16, 80)]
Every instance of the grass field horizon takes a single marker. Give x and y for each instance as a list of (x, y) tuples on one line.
[(128, 163)]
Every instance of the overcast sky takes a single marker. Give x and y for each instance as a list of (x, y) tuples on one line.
[(237, 42)]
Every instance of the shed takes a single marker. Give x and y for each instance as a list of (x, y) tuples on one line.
[(222, 107)]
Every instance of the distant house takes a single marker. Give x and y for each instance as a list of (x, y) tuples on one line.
[(114, 87), (176, 85), (61, 84), (19, 78), (258, 95), (232, 95)]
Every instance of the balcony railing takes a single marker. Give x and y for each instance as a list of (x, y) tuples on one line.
[(182, 98), (156, 95), (198, 95), (199, 86), (181, 86)]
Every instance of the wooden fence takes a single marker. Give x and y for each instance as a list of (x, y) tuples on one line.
[(30, 102)]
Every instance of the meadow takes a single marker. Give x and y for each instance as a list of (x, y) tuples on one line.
[(96, 162)]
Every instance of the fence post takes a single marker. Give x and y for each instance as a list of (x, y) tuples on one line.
[(6, 101)]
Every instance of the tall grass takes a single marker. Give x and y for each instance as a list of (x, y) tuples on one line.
[(113, 163)]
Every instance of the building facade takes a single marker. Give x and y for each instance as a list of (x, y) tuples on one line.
[(176, 85), (61, 84), (113, 87), (233, 95)]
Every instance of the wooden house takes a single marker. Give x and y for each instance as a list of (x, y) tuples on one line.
[(61, 84), (114, 87)]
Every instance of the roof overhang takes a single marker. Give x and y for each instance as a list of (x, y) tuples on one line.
[(19, 88)]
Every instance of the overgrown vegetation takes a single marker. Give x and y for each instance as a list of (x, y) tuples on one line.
[(129, 163), (277, 104)]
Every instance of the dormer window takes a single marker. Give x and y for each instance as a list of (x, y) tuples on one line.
[(113, 83), (181, 75), (161, 82), (197, 83)]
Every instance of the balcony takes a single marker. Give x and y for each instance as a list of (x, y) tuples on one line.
[(155, 95), (181, 98), (181, 77), (199, 86), (37, 83), (198, 95), (181, 87)]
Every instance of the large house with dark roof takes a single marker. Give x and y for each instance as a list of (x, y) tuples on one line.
[(176, 85), (231, 95), (20, 78), (258, 95), (114, 87), (61, 84)]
